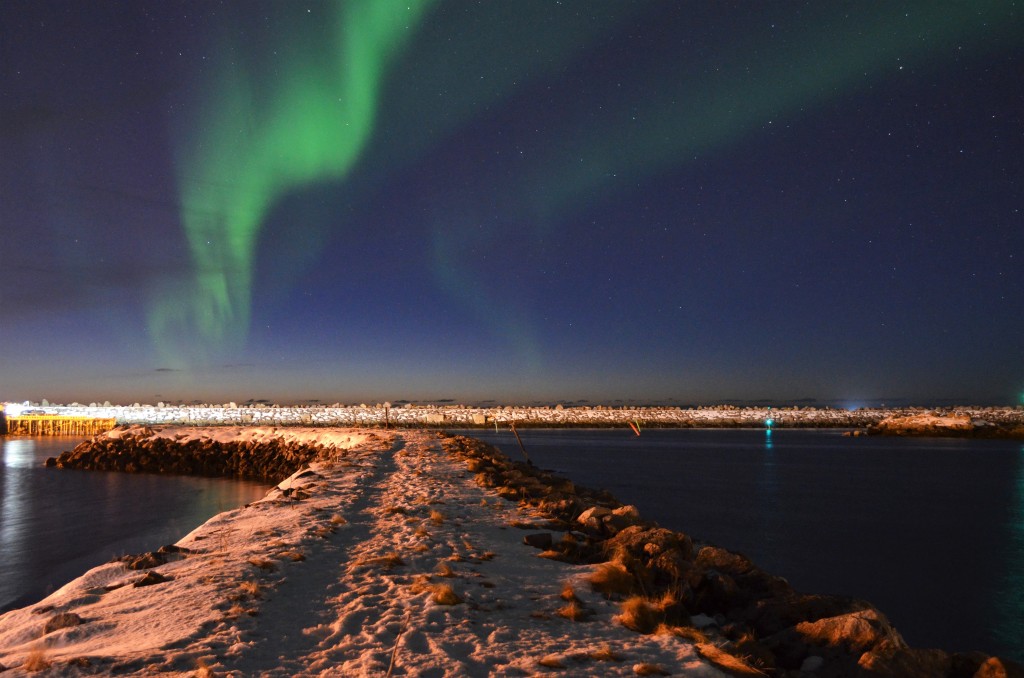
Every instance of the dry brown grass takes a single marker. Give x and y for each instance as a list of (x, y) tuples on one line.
[(605, 653), (322, 532), (235, 610), (612, 579), (444, 594), (488, 555), (204, 671), (36, 661), (445, 570), (648, 669), (263, 564), (421, 583), (421, 531), (640, 614), (685, 632), (338, 519), (436, 517), (573, 611), (292, 555), (251, 588), (568, 594), (727, 662), (392, 510)]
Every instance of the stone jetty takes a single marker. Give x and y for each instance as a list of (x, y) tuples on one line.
[(409, 415)]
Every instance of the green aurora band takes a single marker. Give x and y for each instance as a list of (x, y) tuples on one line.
[(261, 134), (268, 128)]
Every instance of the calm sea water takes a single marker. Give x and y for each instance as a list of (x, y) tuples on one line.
[(929, 530), (55, 524)]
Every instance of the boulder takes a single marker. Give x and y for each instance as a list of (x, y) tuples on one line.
[(593, 517), (62, 621)]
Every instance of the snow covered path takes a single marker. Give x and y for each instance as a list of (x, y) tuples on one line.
[(387, 559)]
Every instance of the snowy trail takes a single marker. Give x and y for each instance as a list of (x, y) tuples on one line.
[(339, 572)]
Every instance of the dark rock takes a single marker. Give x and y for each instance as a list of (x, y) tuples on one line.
[(62, 621), (897, 663), (645, 543), (50, 462), (539, 540), (769, 616), (995, 667), (144, 561), (152, 578), (854, 633), (174, 548)]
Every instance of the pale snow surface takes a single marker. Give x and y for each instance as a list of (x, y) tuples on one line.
[(303, 583)]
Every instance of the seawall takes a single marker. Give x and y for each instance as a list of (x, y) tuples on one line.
[(459, 416)]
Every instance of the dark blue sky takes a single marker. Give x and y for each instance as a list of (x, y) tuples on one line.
[(691, 202)]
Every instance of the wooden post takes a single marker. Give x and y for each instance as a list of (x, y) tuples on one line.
[(512, 425)]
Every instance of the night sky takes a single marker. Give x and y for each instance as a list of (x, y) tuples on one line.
[(684, 202)]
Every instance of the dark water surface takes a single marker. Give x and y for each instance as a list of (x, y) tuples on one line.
[(931, 530), (55, 524)]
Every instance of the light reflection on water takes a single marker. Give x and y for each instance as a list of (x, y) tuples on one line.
[(56, 523), (1010, 599)]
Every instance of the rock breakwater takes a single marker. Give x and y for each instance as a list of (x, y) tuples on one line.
[(141, 449), (956, 424), (409, 415)]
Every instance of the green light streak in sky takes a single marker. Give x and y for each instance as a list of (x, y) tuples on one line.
[(259, 134), (746, 85)]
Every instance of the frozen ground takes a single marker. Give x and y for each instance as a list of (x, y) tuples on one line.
[(342, 569)]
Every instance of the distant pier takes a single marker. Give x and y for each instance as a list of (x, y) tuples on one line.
[(54, 425)]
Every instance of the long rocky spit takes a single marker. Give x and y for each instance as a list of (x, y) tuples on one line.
[(688, 607)]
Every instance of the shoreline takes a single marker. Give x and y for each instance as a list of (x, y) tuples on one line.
[(702, 605)]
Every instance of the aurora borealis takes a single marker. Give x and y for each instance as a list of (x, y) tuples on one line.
[(652, 201)]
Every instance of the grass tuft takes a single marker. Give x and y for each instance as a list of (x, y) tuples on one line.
[(640, 614), (605, 653), (36, 661), (338, 519), (573, 611), (421, 583), (251, 588), (436, 517), (444, 594), (263, 564), (729, 663), (648, 669), (612, 579)]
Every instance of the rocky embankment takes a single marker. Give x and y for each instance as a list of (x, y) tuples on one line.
[(749, 621), (954, 424), (141, 449), (461, 416)]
